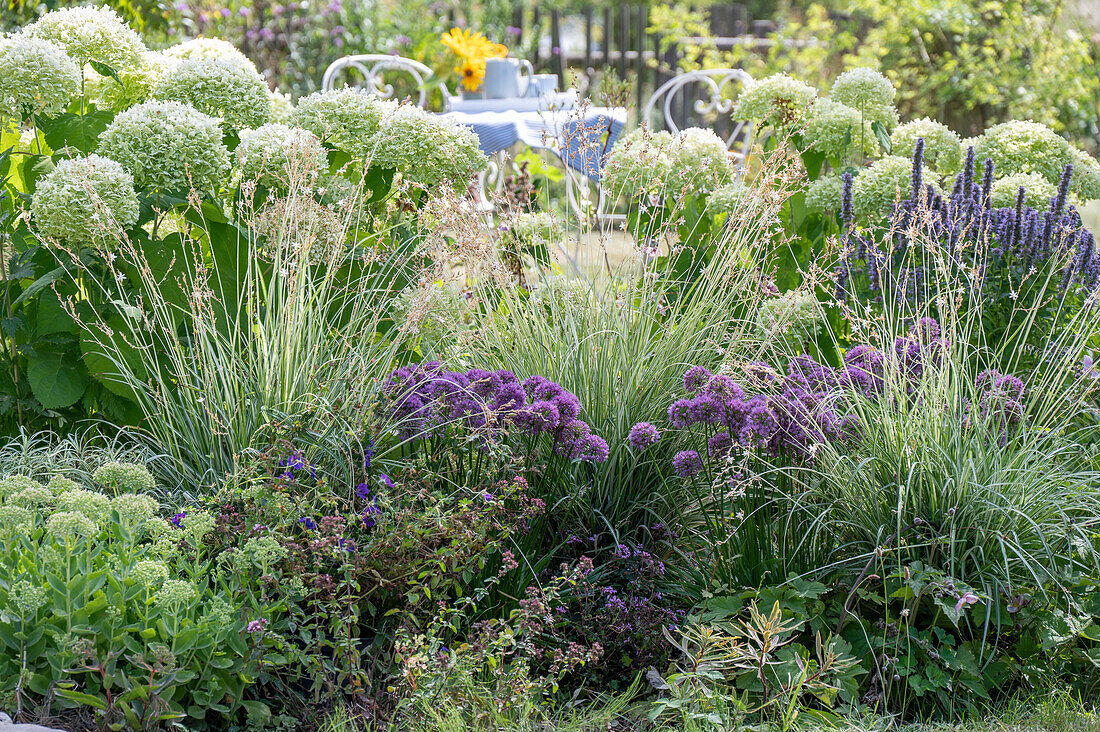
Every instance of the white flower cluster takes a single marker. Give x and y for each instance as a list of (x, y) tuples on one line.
[(89, 33), (224, 87), (282, 108), (1022, 146), (426, 149), (790, 319), (347, 118), (167, 146), (868, 91), (942, 147), (837, 130), (778, 100), (1037, 191), (136, 83), (208, 48), (824, 194), (1085, 182), (880, 185), (730, 198), (36, 77), (85, 201), (124, 478), (691, 162), (535, 228), (296, 229), (275, 155)]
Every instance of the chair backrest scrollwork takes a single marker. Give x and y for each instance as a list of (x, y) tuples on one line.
[(700, 96), (373, 67)]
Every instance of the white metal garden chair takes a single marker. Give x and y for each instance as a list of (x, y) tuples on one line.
[(373, 67)]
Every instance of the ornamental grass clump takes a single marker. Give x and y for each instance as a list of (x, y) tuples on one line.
[(38, 78), (90, 34), (85, 202), (167, 146), (224, 88)]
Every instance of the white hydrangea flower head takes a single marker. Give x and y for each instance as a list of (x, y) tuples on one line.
[(85, 201), (824, 194), (69, 527), (1037, 191), (347, 118), (690, 162), (943, 150), (1085, 182), (274, 155), (701, 161), (208, 48), (124, 478), (36, 78), (426, 149), (88, 33), (92, 504), (862, 88), (791, 318), (730, 197), (1022, 146), (137, 82), (282, 108), (837, 130), (879, 186), (536, 227), (223, 87), (167, 146), (778, 100), (640, 162), (297, 227)]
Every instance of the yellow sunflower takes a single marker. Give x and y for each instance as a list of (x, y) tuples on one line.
[(472, 71)]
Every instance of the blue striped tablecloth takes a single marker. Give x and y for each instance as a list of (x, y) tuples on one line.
[(580, 137)]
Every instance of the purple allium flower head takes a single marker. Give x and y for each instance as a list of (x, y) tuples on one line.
[(642, 435), (571, 437), (695, 379), (719, 445), (687, 463), (594, 450)]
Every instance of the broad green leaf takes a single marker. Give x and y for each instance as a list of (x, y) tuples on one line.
[(77, 131), (57, 379)]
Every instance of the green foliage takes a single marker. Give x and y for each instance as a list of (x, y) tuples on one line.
[(121, 624)]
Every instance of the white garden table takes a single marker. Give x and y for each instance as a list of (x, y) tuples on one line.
[(579, 136)]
